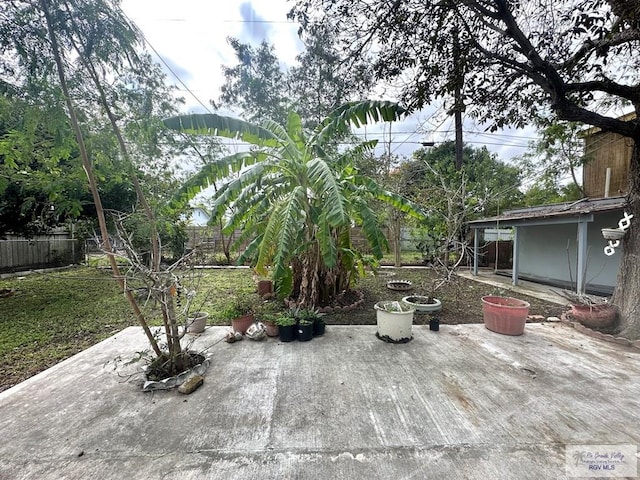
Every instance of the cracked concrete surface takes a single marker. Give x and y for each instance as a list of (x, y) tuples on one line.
[(460, 403)]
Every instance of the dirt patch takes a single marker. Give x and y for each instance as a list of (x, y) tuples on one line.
[(460, 300)]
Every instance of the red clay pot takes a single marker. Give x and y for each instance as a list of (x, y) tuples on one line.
[(241, 324), (505, 315), (595, 316)]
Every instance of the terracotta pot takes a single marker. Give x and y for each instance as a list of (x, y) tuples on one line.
[(505, 315), (271, 328), (595, 316), (241, 324), (265, 287)]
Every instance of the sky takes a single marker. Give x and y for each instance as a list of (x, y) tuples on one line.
[(190, 37)]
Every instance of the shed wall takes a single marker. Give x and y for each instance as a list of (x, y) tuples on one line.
[(549, 252)]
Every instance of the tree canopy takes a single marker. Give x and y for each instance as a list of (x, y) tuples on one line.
[(261, 88), (42, 182)]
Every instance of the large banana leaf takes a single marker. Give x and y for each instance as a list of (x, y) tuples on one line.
[(391, 198), (210, 173), (325, 182), (222, 126), (356, 114)]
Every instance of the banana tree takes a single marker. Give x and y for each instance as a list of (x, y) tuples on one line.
[(297, 196)]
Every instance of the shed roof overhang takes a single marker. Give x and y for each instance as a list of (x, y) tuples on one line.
[(574, 212)]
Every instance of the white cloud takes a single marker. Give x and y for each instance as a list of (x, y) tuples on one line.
[(190, 35)]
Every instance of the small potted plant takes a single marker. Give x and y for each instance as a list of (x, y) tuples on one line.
[(240, 313), (306, 319), (268, 313), (310, 315), (287, 327)]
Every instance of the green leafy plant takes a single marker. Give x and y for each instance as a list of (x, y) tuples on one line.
[(307, 316), (286, 319), (296, 197), (237, 308)]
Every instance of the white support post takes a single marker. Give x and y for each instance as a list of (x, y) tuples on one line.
[(476, 245), (516, 252), (581, 266)]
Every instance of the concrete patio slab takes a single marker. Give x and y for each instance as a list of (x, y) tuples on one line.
[(460, 403)]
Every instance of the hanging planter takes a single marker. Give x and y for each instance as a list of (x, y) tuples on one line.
[(394, 320), (613, 233), (505, 315)]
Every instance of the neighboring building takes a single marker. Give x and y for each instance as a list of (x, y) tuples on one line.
[(562, 244), (606, 152), (199, 217)]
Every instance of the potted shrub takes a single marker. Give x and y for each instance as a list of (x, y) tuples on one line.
[(240, 313), (268, 313), (286, 327), (505, 315), (592, 312), (394, 321)]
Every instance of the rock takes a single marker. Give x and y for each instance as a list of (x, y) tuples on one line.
[(535, 318), (191, 384)]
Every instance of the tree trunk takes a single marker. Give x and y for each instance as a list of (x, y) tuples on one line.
[(397, 240), (89, 172), (627, 292)]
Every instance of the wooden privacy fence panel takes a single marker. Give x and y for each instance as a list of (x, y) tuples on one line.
[(18, 253)]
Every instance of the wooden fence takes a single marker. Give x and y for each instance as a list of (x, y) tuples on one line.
[(59, 249)]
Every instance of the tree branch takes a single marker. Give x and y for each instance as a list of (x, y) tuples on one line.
[(631, 93)]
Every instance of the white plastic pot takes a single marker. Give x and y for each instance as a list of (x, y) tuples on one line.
[(394, 321)]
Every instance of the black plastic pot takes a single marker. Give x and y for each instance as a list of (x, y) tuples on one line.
[(434, 324), (287, 333), (305, 332), (318, 328)]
